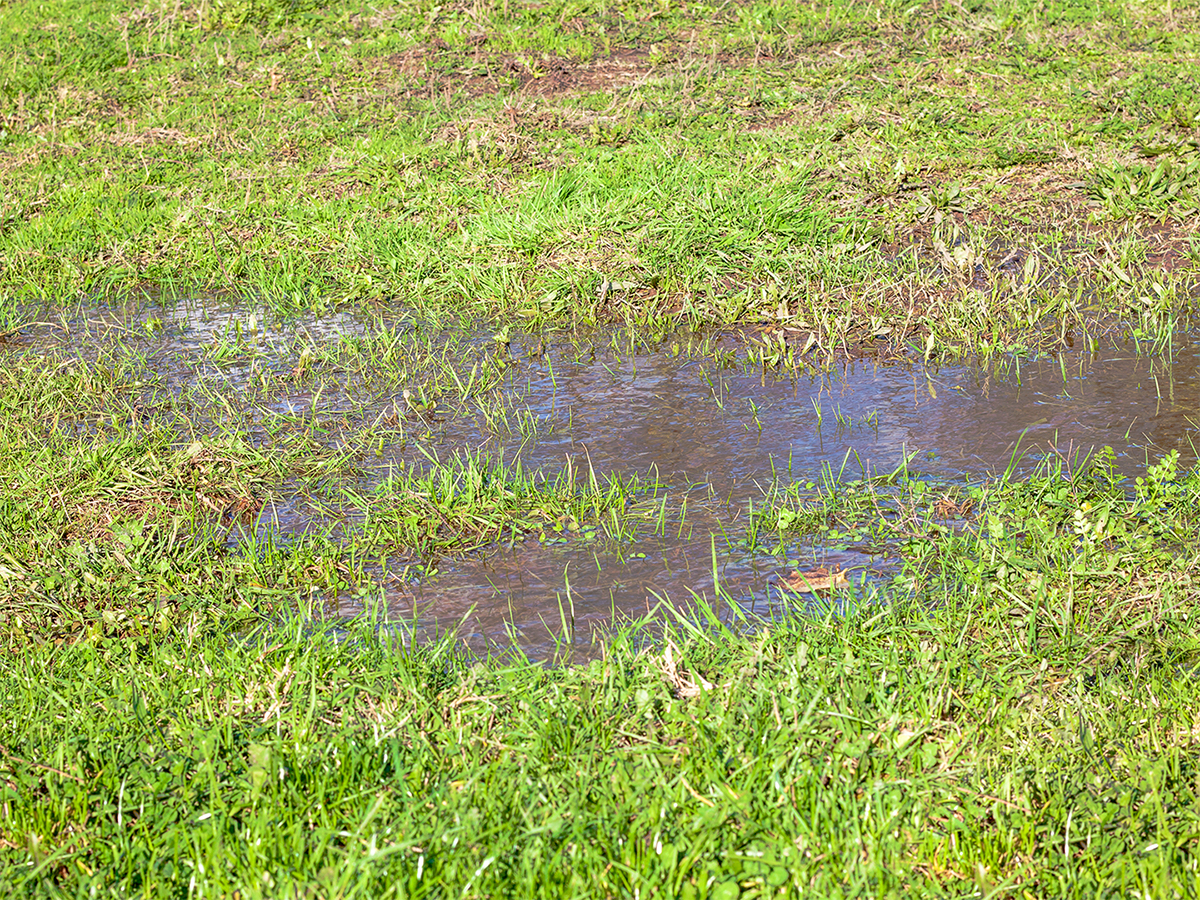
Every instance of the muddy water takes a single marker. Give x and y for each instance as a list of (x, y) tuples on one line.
[(712, 431), (718, 437)]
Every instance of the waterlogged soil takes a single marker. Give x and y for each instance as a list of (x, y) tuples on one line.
[(706, 432)]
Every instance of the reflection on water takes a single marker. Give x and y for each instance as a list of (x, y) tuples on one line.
[(713, 434)]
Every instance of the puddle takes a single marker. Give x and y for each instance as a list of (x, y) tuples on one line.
[(709, 431), (725, 433)]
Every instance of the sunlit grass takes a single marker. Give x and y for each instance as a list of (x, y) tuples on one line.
[(1003, 706), (936, 741), (855, 172)]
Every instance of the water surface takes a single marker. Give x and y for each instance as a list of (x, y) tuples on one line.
[(686, 412)]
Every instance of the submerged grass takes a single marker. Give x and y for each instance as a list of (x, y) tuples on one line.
[(474, 501), (115, 519)]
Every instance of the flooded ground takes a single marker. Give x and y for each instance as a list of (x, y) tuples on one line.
[(706, 432)]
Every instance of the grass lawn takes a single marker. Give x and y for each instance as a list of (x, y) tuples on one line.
[(1012, 712)]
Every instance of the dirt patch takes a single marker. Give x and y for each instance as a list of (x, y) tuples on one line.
[(623, 69), (545, 76), (1170, 246)]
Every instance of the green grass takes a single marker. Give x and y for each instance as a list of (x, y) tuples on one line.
[(1004, 708), (1025, 725), (1009, 709), (847, 167)]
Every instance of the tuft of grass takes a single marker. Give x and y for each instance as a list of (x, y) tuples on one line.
[(473, 501), (1166, 188)]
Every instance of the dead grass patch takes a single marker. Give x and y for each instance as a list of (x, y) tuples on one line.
[(437, 71), (152, 137)]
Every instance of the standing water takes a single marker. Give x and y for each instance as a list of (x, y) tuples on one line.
[(687, 414)]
